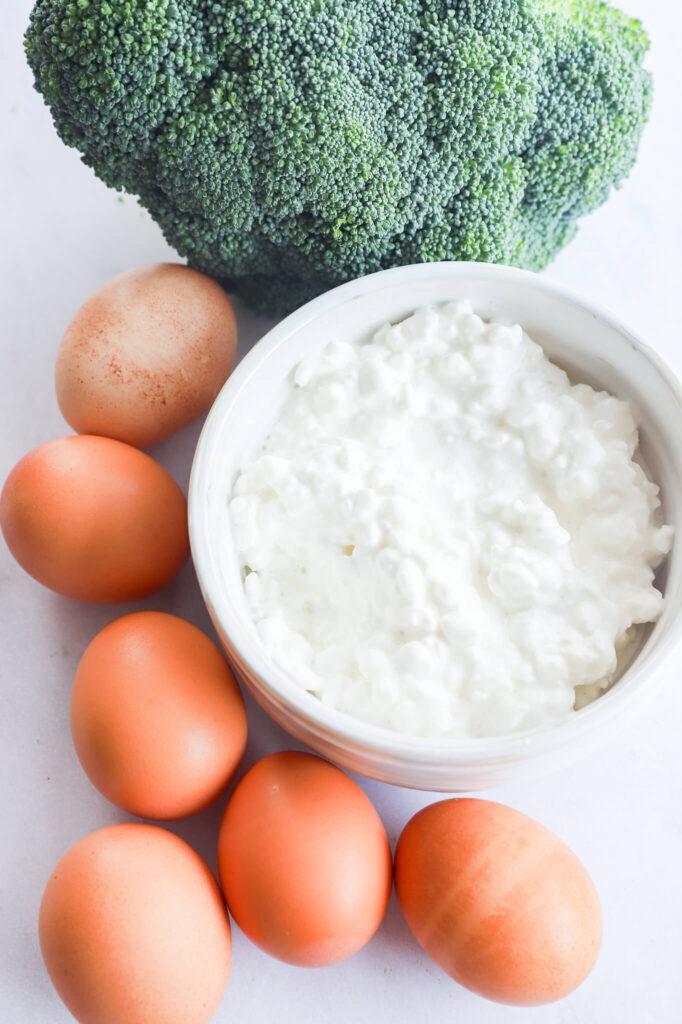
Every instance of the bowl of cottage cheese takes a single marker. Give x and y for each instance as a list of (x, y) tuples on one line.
[(433, 516)]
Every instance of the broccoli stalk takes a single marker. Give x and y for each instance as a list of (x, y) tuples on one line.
[(285, 146)]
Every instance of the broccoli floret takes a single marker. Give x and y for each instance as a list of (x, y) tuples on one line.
[(285, 146)]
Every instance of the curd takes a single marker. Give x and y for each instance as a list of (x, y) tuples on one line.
[(443, 535)]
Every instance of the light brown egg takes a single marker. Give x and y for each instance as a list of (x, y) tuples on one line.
[(133, 929), (157, 718), (95, 519), (304, 860), (498, 901), (146, 354)]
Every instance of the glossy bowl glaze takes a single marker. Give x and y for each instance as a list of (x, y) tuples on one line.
[(594, 347)]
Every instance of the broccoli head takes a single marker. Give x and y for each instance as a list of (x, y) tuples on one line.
[(285, 146)]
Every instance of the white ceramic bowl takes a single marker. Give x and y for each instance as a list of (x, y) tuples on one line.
[(594, 347)]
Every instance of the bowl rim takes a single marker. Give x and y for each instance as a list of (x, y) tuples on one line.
[(277, 685)]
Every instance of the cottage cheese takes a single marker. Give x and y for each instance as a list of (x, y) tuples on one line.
[(444, 536)]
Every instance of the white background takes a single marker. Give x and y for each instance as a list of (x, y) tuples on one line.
[(63, 234)]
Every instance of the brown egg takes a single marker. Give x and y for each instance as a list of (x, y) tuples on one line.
[(133, 930), (304, 860), (95, 519), (146, 354), (498, 901), (157, 718)]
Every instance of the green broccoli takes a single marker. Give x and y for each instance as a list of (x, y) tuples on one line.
[(285, 146)]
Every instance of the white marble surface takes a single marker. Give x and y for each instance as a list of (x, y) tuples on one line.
[(63, 234)]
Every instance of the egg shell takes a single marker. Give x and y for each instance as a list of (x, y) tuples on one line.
[(498, 901), (157, 718), (304, 860), (133, 930), (95, 519), (146, 354)]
